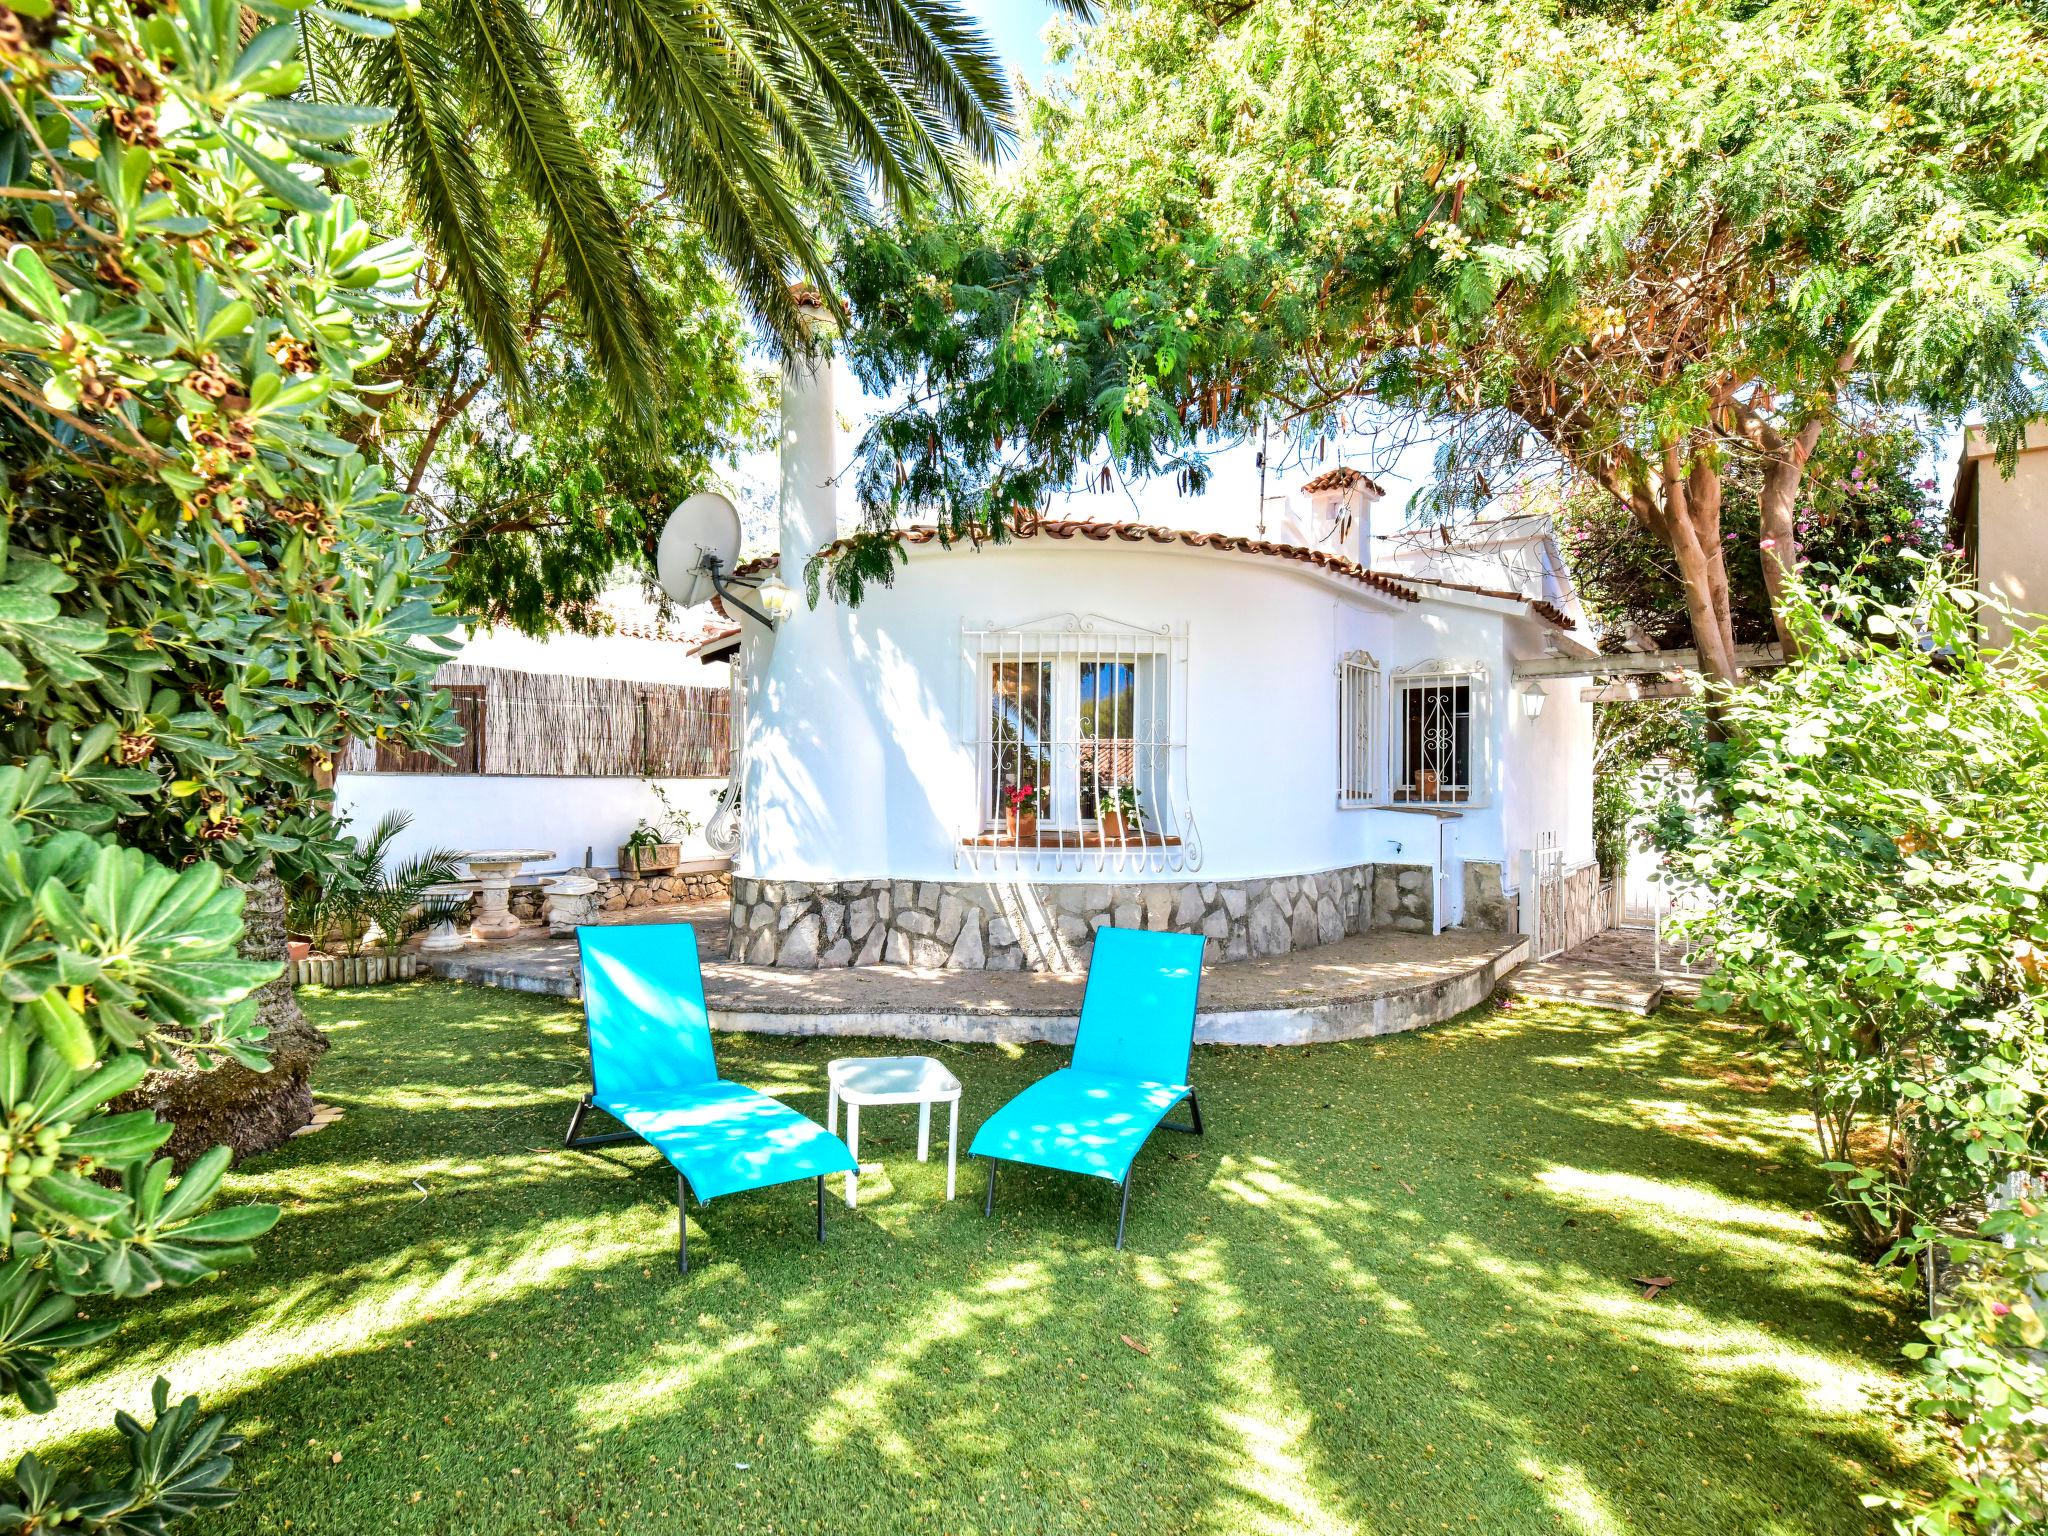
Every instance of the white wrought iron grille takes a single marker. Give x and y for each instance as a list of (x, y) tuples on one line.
[(722, 829), (1439, 746), (1079, 730), (1358, 728)]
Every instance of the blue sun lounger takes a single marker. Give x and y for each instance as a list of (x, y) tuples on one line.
[(1129, 1068), (651, 1069)]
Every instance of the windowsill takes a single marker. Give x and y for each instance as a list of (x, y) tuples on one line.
[(1442, 797), (1053, 840)]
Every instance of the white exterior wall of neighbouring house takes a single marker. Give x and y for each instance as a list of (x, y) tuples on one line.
[(465, 811), (860, 723)]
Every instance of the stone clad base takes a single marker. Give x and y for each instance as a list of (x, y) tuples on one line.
[(618, 890), (1018, 925)]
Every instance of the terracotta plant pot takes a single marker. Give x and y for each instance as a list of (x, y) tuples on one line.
[(657, 860), (1114, 827), (296, 950), (1023, 826)]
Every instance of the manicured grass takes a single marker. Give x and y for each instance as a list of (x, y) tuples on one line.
[(1388, 1292)]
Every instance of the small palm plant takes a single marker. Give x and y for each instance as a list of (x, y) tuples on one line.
[(393, 898)]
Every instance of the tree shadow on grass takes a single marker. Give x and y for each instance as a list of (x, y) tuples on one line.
[(1387, 1292)]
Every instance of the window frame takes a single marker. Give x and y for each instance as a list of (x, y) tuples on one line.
[(1066, 645), (1439, 673)]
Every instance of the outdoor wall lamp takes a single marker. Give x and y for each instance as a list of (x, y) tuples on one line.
[(1532, 699), (776, 600)]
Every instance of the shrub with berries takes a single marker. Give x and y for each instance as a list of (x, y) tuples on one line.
[(205, 592)]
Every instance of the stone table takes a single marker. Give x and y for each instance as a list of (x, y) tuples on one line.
[(493, 870)]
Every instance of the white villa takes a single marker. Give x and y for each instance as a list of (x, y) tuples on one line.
[(1275, 743)]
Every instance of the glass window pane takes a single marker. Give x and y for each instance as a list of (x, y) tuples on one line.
[(1020, 733), (1108, 737), (1436, 741)]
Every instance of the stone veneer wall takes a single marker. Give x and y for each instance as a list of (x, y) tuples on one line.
[(1488, 908), (1401, 897), (1016, 925), (618, 890)]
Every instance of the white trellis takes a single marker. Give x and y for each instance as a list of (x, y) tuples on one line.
[(1078, 725)]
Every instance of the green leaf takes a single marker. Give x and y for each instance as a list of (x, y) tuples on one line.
[(280, 182), (29, 284), (322, 122), (230, 320)]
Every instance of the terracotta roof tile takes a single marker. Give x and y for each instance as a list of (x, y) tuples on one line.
[(1148, 533), (1550, 611), (1342, 477)]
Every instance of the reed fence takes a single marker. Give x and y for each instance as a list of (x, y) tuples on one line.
[(546, 725)]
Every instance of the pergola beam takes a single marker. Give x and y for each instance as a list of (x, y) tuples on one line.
[(1637, 663)]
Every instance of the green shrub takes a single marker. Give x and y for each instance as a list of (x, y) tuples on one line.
[(205, 591), (1877, 893)]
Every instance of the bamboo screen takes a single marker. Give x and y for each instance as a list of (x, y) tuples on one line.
[(545, 725)]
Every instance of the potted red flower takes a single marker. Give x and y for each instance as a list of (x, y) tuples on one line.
[(1025, 800)]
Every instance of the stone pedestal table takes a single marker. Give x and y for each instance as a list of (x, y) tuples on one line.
[(493, 870), (569, 903)]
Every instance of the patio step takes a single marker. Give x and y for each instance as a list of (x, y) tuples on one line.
[(1589, 984), (1372, 984)]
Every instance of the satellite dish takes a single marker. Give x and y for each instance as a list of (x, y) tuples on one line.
[(701, 539)]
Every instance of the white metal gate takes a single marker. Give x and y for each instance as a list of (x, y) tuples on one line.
[(1543, 897)]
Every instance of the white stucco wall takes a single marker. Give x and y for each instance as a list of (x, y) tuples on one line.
[(464, 811), (859, 754)]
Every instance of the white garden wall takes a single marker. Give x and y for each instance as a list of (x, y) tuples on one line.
[(464, 811)]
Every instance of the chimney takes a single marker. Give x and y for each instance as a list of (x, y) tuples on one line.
[(808, 502), (1340, 505)]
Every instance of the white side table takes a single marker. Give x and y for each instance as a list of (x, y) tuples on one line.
[(915, 1080)]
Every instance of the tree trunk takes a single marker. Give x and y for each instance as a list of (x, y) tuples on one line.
[(1779, 536), (248, 1112)]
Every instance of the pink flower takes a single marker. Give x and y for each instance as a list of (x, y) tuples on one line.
[(1999, 1309), (1770, 543)]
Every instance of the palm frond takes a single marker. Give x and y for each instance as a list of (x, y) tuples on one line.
[(410, 72), (507, 64)]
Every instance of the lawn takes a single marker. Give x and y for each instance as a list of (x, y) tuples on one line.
[(1389, 1291)]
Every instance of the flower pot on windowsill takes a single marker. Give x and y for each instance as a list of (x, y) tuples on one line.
[(1426, 783), (1117, 828), (1023, 827), (658, 859)]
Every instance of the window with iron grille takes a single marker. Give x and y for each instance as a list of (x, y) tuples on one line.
[(1079, 744), (1438, 728), (1358, 727)]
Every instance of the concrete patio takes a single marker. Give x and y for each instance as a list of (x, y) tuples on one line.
[(1375, 984)]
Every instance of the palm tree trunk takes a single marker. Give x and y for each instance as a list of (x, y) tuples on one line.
[(248, 1112)]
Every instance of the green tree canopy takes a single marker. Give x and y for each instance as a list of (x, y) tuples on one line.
[(1635, 244), (541, 497)]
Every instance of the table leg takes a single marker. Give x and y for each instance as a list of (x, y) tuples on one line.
[(853, 1146), (952, 1146), (924, 1131), (494, 918), (832, 1110)]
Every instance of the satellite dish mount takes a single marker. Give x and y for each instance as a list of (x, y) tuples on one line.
[(698, 557)]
